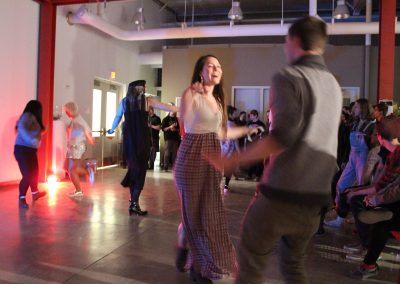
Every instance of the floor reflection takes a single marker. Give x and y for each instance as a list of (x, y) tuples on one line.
[(92, 239)]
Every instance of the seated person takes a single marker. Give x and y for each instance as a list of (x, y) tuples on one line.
[(385, 217), (391, 172), (384, 191)]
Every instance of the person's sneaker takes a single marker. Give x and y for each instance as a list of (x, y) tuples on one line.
[(375, 215), (226, 189), (365, 271), (22, 203), (38, 194), (91, 175), (335, 223), (357, 256), (353, 247), (75, 194)]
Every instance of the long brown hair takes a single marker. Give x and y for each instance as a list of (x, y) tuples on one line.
[(218, 91), (35, 108), (364, 107)]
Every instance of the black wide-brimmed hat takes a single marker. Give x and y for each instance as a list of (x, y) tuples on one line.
[(137, 83)]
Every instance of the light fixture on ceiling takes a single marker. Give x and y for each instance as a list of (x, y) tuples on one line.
[(101, 9), (341, 11), (235, 13), (184, 24), (138, 18)]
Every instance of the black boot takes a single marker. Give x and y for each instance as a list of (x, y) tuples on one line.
[(181, 257), (134, 208)]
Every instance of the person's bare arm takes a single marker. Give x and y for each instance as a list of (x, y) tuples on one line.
[(89, 137), (258, 151), (161, 106)]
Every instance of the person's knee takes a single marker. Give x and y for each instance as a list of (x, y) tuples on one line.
[(356, 203)]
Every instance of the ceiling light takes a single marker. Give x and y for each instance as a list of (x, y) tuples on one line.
[(138, 19), (235, 13), (341, 11)]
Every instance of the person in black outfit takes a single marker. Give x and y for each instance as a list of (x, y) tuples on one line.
[(229, 146), (155, 126), (241, 121), (172, 138), (136, 138), (254, 122)]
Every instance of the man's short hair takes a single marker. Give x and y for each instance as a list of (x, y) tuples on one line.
[(382, 107), (231, 109), (389, 127), (312, 33), (254, 112)]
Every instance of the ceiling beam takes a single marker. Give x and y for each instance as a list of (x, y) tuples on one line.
[(165, 6), (71, 2)]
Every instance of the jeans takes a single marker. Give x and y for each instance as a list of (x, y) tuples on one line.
[(353, 172), (29, 166), (268, 222)]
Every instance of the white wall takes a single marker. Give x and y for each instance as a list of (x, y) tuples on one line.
[(84, 53), (19, 24)]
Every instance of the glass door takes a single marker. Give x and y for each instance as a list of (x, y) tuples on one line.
[(106, 97)]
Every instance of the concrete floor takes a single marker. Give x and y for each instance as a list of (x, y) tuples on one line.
[(93, 240)]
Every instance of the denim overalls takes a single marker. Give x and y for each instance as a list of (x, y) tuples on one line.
[(353, 172)]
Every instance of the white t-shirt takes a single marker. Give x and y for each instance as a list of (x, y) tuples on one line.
[(76, 130)]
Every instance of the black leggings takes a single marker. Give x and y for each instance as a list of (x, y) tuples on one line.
[(29, 167), (135, 193)]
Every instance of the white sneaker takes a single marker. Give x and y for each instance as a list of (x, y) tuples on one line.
[(75, 194), (357, 256), (353, 247), (335, 223), (91, 175)]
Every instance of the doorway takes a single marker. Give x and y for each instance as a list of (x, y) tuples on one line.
[(106, 97)]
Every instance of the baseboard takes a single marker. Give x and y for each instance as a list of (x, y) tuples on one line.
[(9, 183)]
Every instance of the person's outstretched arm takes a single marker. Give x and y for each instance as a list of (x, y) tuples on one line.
[(161, 106), (117, 118)]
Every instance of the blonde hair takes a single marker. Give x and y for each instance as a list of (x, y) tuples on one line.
[(72, 108)]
